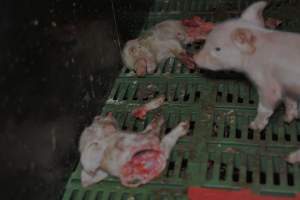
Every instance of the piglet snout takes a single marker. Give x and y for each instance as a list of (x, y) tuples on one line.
[(140, 67)]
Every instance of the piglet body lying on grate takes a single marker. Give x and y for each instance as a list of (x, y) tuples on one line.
[(166, 39), (135, 158)]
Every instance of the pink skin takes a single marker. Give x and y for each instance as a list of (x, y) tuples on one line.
[(269, 58), (135, 158)]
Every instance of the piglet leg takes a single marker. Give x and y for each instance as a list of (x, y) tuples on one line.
[(155, 126), (268, 100), (294, 157), (169, 141), (141, 111), (291, 110), (88, 179)]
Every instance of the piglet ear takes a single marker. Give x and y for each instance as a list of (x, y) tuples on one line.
[(254, 13), (244, 39)]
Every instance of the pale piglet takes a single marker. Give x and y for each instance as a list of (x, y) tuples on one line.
[(269, 58), (136, 158), (166, 39)]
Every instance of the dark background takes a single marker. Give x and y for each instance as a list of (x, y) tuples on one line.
[(58, 62)]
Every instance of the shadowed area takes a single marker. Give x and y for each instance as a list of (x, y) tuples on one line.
[(58, 62)]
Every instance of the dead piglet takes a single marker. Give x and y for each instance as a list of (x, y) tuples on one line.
[(135, 158), (164, 40), (269, 58)]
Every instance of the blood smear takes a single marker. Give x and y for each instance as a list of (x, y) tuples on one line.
[(145, 166)]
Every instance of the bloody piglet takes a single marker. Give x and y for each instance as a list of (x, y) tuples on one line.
[(135, 158), (164, 40)]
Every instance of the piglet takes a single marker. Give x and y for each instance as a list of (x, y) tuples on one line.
[(135, 158), (164, 40), (269, 58)]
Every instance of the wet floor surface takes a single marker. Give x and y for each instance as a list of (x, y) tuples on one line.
[(58, 62)]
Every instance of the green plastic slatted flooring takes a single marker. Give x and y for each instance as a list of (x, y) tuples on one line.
[(219, 150)]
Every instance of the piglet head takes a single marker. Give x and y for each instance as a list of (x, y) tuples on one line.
[(231, 43)]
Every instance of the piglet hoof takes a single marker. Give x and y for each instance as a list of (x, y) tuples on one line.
[(257, 126), (185, 125)]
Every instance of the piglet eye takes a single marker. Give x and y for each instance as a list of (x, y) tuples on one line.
[(218, 49)]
